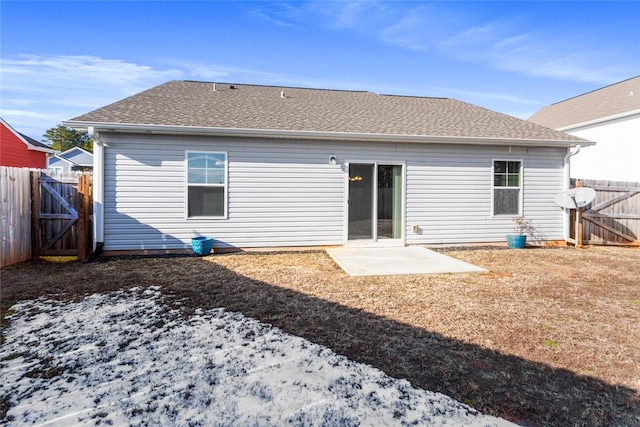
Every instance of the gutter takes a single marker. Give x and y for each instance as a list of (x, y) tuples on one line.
[(567, 184), (98, 188), (305, 134)]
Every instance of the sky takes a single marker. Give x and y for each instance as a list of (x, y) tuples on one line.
[(59, 60)]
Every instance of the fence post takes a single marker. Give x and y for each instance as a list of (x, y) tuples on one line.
[(579, 237), (35, 214), (83, 216)]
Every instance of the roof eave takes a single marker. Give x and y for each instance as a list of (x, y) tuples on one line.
[(600, 120), (30, 146), (303, 134), (59, 157), (44, 150)]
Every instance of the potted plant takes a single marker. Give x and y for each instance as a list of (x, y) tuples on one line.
[(202, 245), (522, 226)]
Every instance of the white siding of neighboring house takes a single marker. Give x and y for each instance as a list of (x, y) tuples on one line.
[(57, 163), (615, 157), (79, 156), (285, 193)]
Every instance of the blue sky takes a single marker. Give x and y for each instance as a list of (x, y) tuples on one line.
[(62, 59)]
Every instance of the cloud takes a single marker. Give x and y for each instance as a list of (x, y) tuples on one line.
[(280, 14), (39, 91), (512, 43), (80, 72), (24, 113), (351, 14), (269, 18), (494, 96)]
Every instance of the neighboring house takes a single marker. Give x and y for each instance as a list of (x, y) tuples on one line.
[(74, 159), (609, 116), (21, 151), (262, 166)]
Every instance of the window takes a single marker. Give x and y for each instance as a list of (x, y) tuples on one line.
[(206, 184), (507, 187)]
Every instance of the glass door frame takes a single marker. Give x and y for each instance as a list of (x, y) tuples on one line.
[(401, 241)]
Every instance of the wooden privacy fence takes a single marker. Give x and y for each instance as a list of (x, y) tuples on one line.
[(613, 218), (15, 208), (44, 213)]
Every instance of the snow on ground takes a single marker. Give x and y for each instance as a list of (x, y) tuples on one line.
[(126, 359)]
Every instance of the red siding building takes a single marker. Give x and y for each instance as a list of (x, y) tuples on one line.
[(19, 150)]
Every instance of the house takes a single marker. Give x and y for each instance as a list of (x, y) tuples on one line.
[(266, 166), (611, 117), (74, 159), (19, 150)]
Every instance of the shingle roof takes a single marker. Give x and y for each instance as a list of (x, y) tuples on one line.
[(78, 156), (241, 106), (604, 102), (34, 142)]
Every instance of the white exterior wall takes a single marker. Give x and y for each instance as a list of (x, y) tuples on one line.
[(285, 193), (450, 195), (56, 163), (615, 157)]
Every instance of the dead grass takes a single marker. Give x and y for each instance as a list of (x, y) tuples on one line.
[(547, 337)]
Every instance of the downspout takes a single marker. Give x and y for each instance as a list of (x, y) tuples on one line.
[(567, 184), (98, 191)]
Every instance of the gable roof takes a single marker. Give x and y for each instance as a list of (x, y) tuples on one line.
[(613, 100), (31, 143), (35, 143), (182, 106), (77, 156), (56, 158)]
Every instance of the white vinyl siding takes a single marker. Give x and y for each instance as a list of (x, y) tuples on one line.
[(616, 155), (449, 194), (286, 193), (58, 164)]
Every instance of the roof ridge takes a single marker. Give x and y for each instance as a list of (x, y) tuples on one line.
[(277, 86), (315, 89), (417, 96)]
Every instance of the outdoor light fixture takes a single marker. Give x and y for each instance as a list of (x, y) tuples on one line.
[(333, 160)]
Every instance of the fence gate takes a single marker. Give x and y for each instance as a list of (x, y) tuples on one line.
[(60, 213), (613, 218)]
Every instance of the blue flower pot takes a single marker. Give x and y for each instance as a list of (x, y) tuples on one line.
[(516, 241), (202, 245)]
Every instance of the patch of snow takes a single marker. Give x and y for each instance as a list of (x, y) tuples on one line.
[(126, 359)]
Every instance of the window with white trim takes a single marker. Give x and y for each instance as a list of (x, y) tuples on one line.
[(206, 184), (507, 187)]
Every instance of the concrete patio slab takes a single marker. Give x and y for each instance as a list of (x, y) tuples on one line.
[(398, 260)]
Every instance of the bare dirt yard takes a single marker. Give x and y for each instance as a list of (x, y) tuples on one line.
[(549, 336)]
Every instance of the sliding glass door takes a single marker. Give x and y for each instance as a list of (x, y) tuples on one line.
[(361, 194), (375, 203), (389, 212)]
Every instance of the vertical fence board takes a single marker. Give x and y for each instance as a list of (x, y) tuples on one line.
[(84, 194), (15, 211), (35, 214)]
